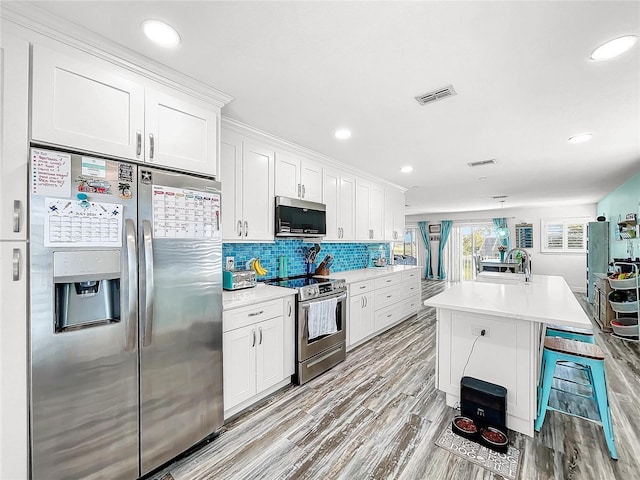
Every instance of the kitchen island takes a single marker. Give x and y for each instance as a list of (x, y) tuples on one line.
[(513, 314)]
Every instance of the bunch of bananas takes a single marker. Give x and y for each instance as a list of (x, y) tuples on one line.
[(258, 268)]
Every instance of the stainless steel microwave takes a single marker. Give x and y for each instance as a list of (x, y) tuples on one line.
[(300, 218)]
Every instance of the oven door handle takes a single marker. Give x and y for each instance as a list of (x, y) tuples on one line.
[(305, 306)]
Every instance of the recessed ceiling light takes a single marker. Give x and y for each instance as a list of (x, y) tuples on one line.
[(161, 33), (614, 47), (406, 169), (583, 137), (342, 133)]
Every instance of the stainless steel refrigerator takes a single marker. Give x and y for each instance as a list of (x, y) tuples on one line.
[(126, 315), (597, 253)]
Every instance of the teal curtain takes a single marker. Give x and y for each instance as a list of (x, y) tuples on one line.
[(502, 223), (444, 236), (424, 231)]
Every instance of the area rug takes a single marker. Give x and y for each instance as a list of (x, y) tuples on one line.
[(505, 464)]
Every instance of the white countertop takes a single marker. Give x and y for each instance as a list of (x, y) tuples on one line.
[(249, 296), (352, 276), (546, 299)]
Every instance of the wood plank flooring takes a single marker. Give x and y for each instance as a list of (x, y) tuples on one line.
[(377, 416)]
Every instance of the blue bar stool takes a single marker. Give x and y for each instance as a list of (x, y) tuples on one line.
[(588, 356), (571, 333)]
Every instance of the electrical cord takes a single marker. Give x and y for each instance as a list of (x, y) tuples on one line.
[(482, 333)]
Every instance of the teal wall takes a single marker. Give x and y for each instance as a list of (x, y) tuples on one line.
[(615, 206)]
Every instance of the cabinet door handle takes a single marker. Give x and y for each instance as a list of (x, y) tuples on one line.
[(362, 302), (366, 301), (246, 228), (239, 228), (151, 145), (299, 191), (304, 190), (17, 214), (260, 342), (138, 143), (253, 333), (255, 314), (16, 264), (289, 314)]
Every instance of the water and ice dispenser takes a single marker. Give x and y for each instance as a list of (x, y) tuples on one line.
[(87, 288)]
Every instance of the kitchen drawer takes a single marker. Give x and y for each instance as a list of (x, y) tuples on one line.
[(387, 296), (411, 274), (387, 316), (361, 287), (411, 288), (410, 306), (241, 317), (388, 280)]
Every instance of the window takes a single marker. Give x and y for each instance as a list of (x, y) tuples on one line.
[(406, 252), (568, 235)]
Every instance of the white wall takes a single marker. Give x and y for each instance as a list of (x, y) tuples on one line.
[(572, 266)]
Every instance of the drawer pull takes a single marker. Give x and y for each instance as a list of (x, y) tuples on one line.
[(390, 315), (364, 286), (389, 296), (255, 314)]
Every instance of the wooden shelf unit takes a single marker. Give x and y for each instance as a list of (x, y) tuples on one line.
[(602, 311)]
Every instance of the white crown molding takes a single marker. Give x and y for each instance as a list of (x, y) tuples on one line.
[(279, 143), (45, 24)]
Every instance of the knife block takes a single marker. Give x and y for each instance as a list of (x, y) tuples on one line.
[(322, 271)]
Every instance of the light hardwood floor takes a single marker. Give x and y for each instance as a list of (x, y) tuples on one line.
[(377, 416)]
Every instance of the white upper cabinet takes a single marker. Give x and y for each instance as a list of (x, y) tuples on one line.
[(247, 176), (376, 215), (338, 194), (83, 102), (369, 211), (394, 215), (14, 152), (180, 134), (298, 177)]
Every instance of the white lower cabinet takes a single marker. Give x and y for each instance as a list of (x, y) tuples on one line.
[(14, 421), (289, 346), (377, 304), (360, 324), (254, 353)]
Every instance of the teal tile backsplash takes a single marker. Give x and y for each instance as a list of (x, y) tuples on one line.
[(347, 256)]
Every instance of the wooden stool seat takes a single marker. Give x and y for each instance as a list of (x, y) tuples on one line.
[(559, 328), (571, 347)]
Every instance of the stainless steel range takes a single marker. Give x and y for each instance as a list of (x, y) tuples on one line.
[(321, 324)]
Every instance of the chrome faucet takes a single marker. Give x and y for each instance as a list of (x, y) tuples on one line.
[(525, 261)]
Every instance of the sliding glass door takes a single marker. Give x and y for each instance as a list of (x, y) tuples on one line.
[(470, 244)]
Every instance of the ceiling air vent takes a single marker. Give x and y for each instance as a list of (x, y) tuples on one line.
[(482, 162), (434, 96), (497, 197)]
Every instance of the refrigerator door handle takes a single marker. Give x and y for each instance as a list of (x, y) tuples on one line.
[(130, 286), (148, 284)]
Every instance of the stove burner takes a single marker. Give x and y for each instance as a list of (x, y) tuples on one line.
[(311, 287)]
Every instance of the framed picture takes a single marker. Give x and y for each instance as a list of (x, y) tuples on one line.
[(434, 228)]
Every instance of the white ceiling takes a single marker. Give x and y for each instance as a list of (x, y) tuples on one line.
[(525, 83)]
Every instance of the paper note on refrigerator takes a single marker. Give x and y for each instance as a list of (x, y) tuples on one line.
[(50, 173), (73, 223), (183, 213)]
